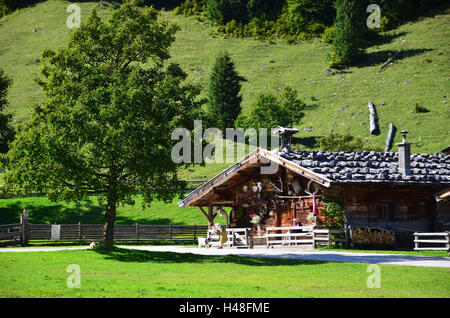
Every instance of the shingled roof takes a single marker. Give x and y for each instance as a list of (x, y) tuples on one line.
[(372, 167), (329, 168)]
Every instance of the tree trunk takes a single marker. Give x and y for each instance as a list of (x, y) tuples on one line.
[(373, 119), (108, 226), (389, 138)]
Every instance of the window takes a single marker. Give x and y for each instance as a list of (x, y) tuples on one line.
[(379, 212), (401, 211)]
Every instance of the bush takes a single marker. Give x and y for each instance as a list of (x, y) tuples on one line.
[(317, 11), (328, 35), (336, 142), (332, 216), (264, 9), (270, 111), (191, 8), (223, 11), (395, 12)]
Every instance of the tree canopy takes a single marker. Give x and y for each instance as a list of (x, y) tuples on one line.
[(270, 111), (111, 103)]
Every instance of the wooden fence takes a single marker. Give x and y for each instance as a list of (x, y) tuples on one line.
[(432, 241), (304, 236), (289, 236), (22, 233), (94, 232), (10, 234), (326, 237)]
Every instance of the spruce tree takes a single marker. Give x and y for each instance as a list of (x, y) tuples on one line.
[(224, 99), (349, 26)]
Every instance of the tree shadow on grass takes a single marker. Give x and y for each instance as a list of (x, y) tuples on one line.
[(140, 256), (379, 57), (381, 39), (309, 142), (86, 212)]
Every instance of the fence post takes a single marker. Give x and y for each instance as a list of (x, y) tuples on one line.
[(448, 242), (79, 232), (347, 238), (137, 232), (23, 228), (170, 233), (314, 238), (195, 232)]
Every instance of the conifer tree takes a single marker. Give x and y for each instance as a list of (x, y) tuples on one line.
[(349, 26), (224, 99)]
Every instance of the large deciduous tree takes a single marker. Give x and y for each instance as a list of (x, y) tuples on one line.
[(111, 104)]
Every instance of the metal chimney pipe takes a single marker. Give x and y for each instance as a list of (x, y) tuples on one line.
[(404, 155)]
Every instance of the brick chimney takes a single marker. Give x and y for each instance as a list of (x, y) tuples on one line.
[(404, 155)]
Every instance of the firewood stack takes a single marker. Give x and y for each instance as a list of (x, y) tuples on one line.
[(373, 238)]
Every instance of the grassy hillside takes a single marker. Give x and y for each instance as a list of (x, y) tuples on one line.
[(420, 74)]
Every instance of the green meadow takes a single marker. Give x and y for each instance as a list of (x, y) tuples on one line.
[(133, 273)]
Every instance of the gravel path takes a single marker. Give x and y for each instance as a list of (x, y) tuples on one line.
[(284, 253)]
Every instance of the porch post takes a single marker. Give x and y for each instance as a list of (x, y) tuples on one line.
[(207, 216)]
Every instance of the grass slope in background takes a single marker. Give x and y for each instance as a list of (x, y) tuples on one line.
[(419, 75), (128, 273)]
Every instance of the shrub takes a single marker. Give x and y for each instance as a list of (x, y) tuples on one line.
[(332, 216), (264, 9), (328, 35), (336, 142), (269, 111), (223, 11), (191, 8)]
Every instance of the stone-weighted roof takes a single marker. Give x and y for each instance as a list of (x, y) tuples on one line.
[(372, 167)]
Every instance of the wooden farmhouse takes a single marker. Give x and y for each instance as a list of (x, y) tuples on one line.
[(387, 190)]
